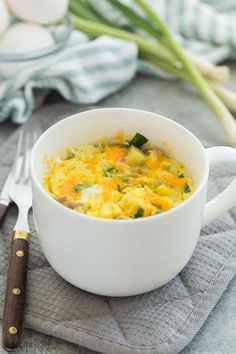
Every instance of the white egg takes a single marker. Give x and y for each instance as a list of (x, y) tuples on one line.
[(4, 17), (23, 38), (39, 11)]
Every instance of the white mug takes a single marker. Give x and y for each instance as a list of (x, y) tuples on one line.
[(125, 257)]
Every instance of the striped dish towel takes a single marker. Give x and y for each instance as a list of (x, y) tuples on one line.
[(86, 71)]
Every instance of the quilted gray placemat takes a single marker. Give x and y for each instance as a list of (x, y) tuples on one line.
[(163, 321)]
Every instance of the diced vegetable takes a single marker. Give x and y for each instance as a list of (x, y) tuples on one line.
[(80, 186), (186, 188), (108, 171), (163, 203), (125, 144), (181, 175), (135, 156), (115, 153), (139, 213), (110, 210), (138, 140), (67, 154), (164, 190), (172, 180)]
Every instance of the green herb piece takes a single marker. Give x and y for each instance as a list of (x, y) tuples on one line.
[(124, 144), (138, 140), (110, 170), (186, 188), (135, 156), (181, 175), (67, 154), (139, 213), (80, 186)]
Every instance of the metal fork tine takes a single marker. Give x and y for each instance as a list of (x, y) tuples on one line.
[(25, 167), (17, 155), (20, 176), (22, 157), (31, 139)]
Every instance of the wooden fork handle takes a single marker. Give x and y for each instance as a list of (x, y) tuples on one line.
[(3, 210), (15, 295)]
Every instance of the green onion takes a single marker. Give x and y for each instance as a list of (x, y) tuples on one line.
[(98, 29), (186, 188), (218, 73), (167, 54), (139, 213), (80, 186), (195, 76), (135, 19), (138, 140), (79, 9), (227, 96), (108, 171)]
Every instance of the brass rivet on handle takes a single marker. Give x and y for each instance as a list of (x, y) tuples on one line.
[(16, 291), (12, 330), (20, 253)]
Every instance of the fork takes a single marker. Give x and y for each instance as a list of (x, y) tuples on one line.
[(21, 195)]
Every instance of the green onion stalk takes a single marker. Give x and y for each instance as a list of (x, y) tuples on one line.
[(227, 96), (214, 102), (167, 54), (219, 74), (83, 9)]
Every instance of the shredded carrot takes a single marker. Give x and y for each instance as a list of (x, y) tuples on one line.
[(160, 202), (153, 163), (172, 180), (114, 153), (67, 188), (107, 187), (91, 163)]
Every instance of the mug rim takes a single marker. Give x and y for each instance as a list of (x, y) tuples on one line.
[(71, 212)]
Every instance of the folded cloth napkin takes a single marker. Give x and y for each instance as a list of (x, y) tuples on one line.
[(159, 322), (86, 71)]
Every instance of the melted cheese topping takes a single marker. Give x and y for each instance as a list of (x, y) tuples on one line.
[(113, 179)]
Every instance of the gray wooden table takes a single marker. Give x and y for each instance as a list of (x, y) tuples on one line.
[(218, 335)]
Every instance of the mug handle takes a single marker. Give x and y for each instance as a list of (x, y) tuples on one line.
[(226, 199)]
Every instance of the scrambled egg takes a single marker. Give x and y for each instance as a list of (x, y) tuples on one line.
[(117, 178)]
